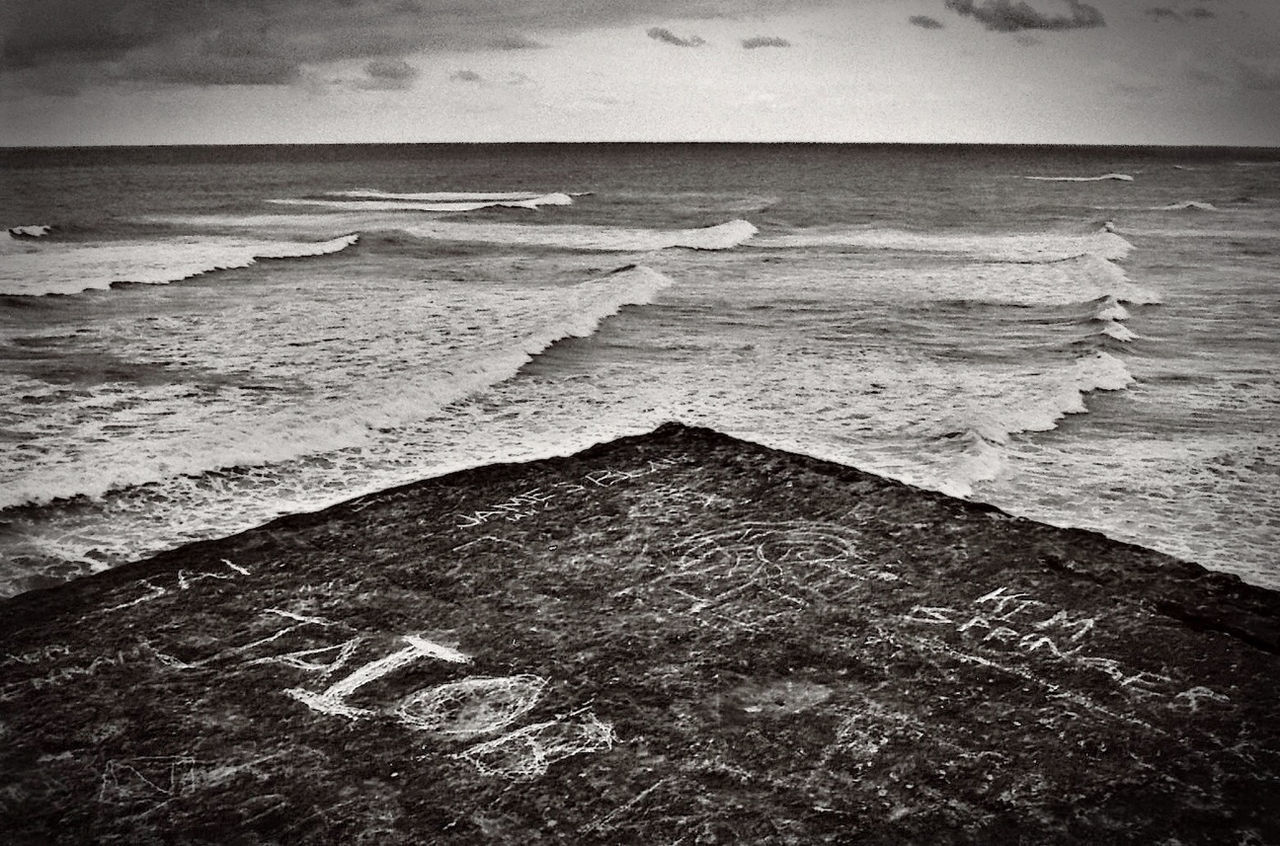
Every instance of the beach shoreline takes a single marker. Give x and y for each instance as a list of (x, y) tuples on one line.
[(667, 634)]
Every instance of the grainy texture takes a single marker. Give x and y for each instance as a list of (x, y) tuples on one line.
[(678, 637)]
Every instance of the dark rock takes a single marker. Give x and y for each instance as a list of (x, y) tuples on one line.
[(678, 637)]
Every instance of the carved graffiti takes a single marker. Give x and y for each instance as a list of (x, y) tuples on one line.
[(757, 571)]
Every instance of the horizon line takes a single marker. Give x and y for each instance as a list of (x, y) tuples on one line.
[(708, 143)]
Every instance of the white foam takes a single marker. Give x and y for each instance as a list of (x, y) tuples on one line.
[(37, 231), (72, 268), (1024, 404), (1188, 205), (1036, 405), (981, 461), (722, 236), (1112, 310), (1118, 331), (1121, 177), (1028, 247), (387, 203), (440, 196), (124, 436)]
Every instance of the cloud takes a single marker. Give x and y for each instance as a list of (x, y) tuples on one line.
[(1007, 16), (516, 42), (1236, 73), (925, 22), (466, 76), (1163, 13), (388, 75), (1256, 76), (277, 42), (666, 36), (764, 41), (229, 58)]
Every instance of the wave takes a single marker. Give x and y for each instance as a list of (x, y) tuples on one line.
[(1105, 275), (21, 239), (1058, 398), (722, 236), (1188, 205), (407, 202), (1117, 330), (73, 268), (1111, 309), (1120, 177), (439, 196), (245, 439), (1040, 247), (36, 231), (1037, 408)]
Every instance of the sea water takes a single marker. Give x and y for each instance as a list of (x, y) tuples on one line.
[(196, 340)]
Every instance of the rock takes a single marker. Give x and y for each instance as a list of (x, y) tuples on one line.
[(673, 637)]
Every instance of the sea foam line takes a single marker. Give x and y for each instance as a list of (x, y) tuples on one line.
[(1187, 205), (440, 196), (722, 236), (73, 268), (386, 203), (1120, 177), (1030, 248)]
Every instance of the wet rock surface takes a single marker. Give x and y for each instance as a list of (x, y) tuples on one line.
[(678, 637)]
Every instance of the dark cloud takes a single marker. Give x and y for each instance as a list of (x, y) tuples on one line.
[(226, 58), (925, 22), (1008, 16), (666, 36), (270, 42), (466, 76), (765, 41), (1164, 13), (388, 75), (516, 42)]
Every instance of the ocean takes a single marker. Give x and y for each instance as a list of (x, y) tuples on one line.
[(196, 340)]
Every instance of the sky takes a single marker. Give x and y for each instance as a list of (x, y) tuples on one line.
[(80, 72)]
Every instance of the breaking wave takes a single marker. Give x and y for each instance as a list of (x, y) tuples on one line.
[(1036, 406), (1120, 177), (1031, 248), (722, 236), (204, 443), (379, 202), (73, 268), (1188, 205), (441, 196), (37, 231)]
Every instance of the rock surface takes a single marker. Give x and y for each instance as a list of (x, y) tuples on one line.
[(678, 637)]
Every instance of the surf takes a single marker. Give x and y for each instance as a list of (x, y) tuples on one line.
[(160, 433), (1030, 247), (378, 202), (1116, 177), (73, 268)]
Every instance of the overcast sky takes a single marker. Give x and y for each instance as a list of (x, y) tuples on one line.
[(1033, 71)]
